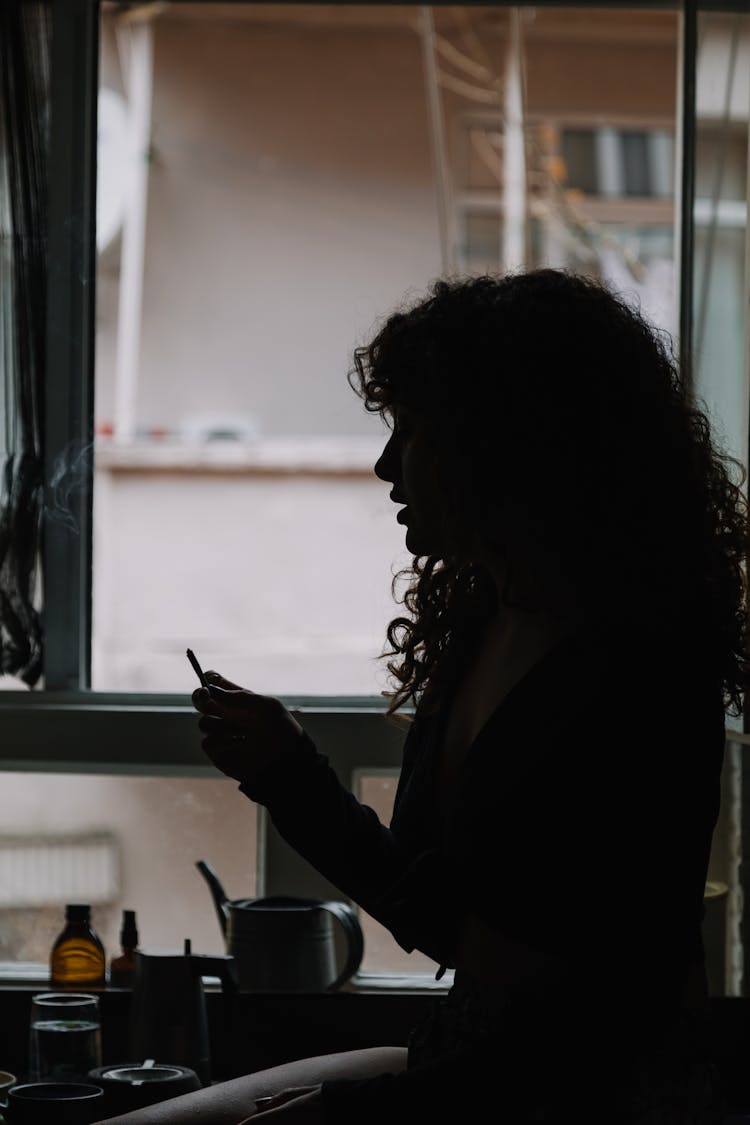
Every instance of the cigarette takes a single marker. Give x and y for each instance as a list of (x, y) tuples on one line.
[(198, 670)]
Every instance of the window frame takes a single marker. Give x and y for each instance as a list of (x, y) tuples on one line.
[(66, 727)]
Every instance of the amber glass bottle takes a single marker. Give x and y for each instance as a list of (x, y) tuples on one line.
[(77, 959), (122, 968)]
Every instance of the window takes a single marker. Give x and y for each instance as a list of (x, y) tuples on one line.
[(619, 162), (279, 209), (599, 199), (576, 171)]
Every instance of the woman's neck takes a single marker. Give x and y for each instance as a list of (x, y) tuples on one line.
[(514, 626)]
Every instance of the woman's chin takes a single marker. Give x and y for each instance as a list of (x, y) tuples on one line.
[(411, 540), (415, 543)]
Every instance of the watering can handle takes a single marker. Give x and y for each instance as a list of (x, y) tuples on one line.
[(355, 943), (225, 968), (221, 902)]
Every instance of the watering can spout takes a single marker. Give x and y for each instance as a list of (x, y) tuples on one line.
[(221, 902)]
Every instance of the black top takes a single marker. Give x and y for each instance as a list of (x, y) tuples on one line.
[(581, 825), (77, 912)]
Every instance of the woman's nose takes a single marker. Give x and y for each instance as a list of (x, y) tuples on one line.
[(385, 466)]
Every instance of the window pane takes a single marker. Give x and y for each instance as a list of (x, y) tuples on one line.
[(721, 223), (266, 193), (638, 262), (288, 196), (482, 233), (579, 155), (382, 954), (636, 163), (596, 181), (721, 374), (119, 843)]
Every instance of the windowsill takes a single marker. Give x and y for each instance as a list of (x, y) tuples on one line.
[(400, 982), (32, 975), (347, 456), (23, 972)]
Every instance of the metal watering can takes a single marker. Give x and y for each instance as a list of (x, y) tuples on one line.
[(286, 944)]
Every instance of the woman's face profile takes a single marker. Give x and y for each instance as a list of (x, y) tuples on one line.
[(409, 462)]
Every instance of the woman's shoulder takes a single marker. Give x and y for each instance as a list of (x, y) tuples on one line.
[(646, 683), (648, 643), (617, 671), (635, 674)]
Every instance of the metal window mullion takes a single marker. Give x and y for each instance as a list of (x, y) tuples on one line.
[(69, 386), (746, 325)]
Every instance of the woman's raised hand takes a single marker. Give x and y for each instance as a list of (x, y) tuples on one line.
[(245, 732)]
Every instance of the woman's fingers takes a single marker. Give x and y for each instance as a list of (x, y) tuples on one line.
[(223, 733), (205, 699), (215, 725), (221, 681), (210, 723), (224, 756), (216, 700), (201, 700), (244, 731), (233, 699)]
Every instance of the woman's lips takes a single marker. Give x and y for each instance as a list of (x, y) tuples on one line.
[(401, 517)]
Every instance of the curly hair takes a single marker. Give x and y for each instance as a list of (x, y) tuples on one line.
[(571, 445)]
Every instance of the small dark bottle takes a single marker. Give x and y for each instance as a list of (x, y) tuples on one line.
[(122, 968), (77, 959)]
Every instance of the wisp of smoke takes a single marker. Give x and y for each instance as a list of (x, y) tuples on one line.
[(69, 482)]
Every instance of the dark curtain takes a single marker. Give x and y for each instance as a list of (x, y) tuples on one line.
[(24, 110)]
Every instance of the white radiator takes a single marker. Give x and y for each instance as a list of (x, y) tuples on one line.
[(41, 870)]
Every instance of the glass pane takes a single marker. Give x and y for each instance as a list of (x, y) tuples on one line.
[(579, 154), (635, 157), (721, 379), (382, 954), (277, 198), (578, 171), (483, 235), (637, 261), (267, 191), (119, 843), (721, 223)]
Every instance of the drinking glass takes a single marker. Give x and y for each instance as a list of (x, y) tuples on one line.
[(65, 1037)]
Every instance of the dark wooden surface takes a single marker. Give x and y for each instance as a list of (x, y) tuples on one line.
[(265, 1030), (255, 1032)]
